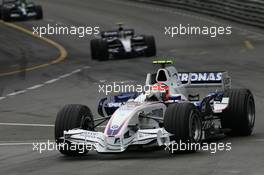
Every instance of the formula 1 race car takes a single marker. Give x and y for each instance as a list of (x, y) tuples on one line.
[(187, 107), (122, 43), (20, 9)]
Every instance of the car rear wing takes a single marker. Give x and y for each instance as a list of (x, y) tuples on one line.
[(115, 33), (205, 79)]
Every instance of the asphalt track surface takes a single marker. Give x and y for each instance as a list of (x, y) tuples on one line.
[(241, 54)]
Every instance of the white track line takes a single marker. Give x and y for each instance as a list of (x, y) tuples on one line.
[(51, 81), (260, 140), (2, 98), (35, 87), (15, 144), (44, 83), (26, 124), (22, 143), (16, 93), (35, 125)]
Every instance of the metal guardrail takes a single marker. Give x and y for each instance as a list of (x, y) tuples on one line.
[(244, 11)]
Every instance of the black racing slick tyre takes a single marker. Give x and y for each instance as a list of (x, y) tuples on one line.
[(39, 12), (6, 15), (239, 116), (103, 50), (151, 46), (99, 49), (0, 11), (70, 117), (184, 122), (94, 46)]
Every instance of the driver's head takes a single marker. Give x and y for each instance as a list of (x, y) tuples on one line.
[(120, 28)]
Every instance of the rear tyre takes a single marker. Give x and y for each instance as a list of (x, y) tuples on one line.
[(94, 45), (102, 50), (99, 49), (184, 122), (39, 12), (0, 11), (240, 114), (6, 15), (151, 46), (70, 117)]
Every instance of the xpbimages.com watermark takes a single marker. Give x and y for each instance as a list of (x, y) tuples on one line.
[(211, 31), (190, 146), (172, 147), (42, 147), (79, 31), (123, 88)]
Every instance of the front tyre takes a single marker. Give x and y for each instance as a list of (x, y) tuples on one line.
[(1, 8), (6, 15), (184, 122), (70, 117), (99, 49), (240, 113), (151, 46), (94, 45), (39, 12)]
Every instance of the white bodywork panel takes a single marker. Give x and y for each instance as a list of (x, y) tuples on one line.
[(219, 106), (126, 42), (103, 143), (23, 9), (119, 132)]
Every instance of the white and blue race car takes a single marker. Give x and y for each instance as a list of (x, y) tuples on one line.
[(20, 9), (187, 107), (122, 43)]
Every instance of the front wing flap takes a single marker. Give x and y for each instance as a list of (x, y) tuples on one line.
[(102, 143)]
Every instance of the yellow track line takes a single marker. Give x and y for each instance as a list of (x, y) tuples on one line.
[(248, 44), (61, 57)]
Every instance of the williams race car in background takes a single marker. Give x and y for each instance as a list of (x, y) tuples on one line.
[(122, 43), (20, 9), (187, 107)]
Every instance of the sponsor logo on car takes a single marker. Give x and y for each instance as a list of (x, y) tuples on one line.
[(201, 77), (114, 127)]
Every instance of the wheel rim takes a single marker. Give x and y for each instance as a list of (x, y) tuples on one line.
[(87, 123), (251, 112), (195, 127)]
